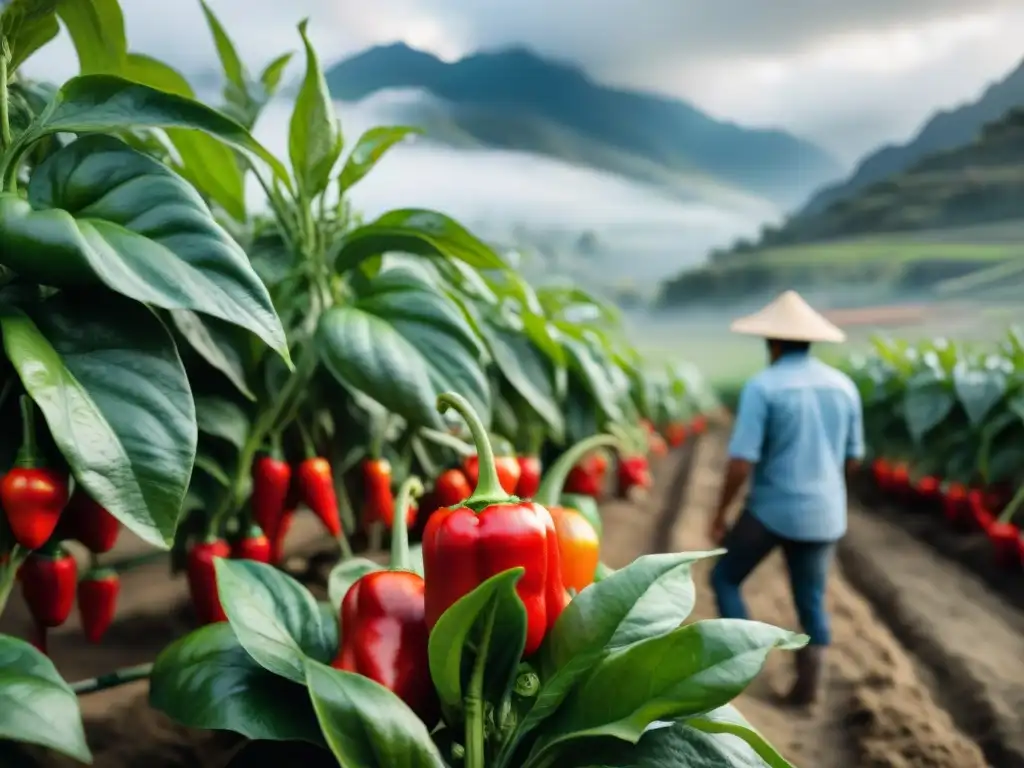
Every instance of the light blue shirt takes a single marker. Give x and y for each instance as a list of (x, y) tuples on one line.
[(798, 422)]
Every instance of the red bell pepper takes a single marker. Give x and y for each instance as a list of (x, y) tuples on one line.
[(97, 602), (529, 477), (586, 478), (1005, 536), (882, 473), (271, 484), (507, 468), (91, 524), (316, 485), (633, 473), (384, 631), (676, 434), (33, 496), (451, 487), (899, 479), (954, 504), (202, 579), (253, 546), (927, 487), (981, 516), (489, 534)]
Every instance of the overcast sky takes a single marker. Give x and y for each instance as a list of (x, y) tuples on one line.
[(849, 74)]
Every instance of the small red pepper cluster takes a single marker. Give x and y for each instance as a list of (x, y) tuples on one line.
[(967, 509), (587, 478)]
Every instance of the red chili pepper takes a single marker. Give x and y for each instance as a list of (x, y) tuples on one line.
[(507, 468), (97, 601), (676, 434), (529, 477), (316, 486), (633, 473), (253, 546), (383, 625), (202, 579), (91, 524), (48, 579), (489, 534), (271, 483), (451, 487), (277, 543), (378, 500)]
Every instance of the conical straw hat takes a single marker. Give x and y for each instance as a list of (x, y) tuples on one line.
[(788, 318)]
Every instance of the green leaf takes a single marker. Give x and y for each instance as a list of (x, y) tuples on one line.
[(596, 376), (270, 79), (370, 148), (274, 617), (27, 25), (979, 390), (217, 342), (222, 418), (229, 61), (727, 721), (314, 135), (691, 670), (96, 103), (96, 28), (99, 212), (207, 680), (365, 724), (402, 342), (36, 705), (457, 631), (107, 377), (926, 404), (345, 574), (415, 231)]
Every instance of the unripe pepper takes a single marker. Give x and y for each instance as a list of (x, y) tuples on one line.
[(91, 524), (384, 631), (490, 533), (507, 468), (33, 496), (202, 579), (48, 579), (271, 483), (253, 546), (579, 543), (316, 487), (97, 602), (529, 477)]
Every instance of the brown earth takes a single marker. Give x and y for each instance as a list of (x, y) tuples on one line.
[(880, 709)]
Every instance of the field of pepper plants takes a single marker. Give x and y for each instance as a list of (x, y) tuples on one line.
[(944, 423), (199, 368)]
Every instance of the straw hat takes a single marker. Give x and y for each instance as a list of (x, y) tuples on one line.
[(788, 318)]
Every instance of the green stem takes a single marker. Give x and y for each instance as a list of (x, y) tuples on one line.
[(131, 563), (5, 116), (112, 679), (474, 703), (461, 447), (9, 574), (488, 488), (554, 479), (411, 489), (1011, 509), (28, 454)]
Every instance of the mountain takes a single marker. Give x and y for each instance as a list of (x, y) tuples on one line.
[(514, 99), (944, 131)]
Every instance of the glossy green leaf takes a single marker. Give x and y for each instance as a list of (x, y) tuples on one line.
[(415, 231), (229, 60), (596, 376), (345, 574), (726, 721), (314, 134), (27, 25), (95, 103), (218, 343), (369, 150), (691, 670), (274, 617), (99, 212), (207, 680), (458, 631), (365, 724), (403, 342), (96, 28), (222, 418), (979, 390), (926, 403), (107, 377), (36, 705), (270, 78)]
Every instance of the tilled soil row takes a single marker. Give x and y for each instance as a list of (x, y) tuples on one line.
[(879, 710)]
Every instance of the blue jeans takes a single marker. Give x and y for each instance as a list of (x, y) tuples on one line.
[(748, 543)]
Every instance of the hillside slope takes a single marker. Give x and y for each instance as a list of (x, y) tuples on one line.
[(516, 100)]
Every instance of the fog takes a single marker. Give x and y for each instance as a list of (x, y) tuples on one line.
[(496, 191)]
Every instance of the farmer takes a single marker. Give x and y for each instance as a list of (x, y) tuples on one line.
[(798, 433)]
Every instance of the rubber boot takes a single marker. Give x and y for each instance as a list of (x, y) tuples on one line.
[(810, 665)]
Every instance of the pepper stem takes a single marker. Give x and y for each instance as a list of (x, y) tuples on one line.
[(112, 679), (411, 489), (28, 454), (554, 479), (1011, 509), (488, 488), (474, 703)]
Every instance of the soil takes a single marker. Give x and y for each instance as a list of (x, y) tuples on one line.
[(924, 671)]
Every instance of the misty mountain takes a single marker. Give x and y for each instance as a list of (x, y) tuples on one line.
[(514, 99), (945, 130)]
